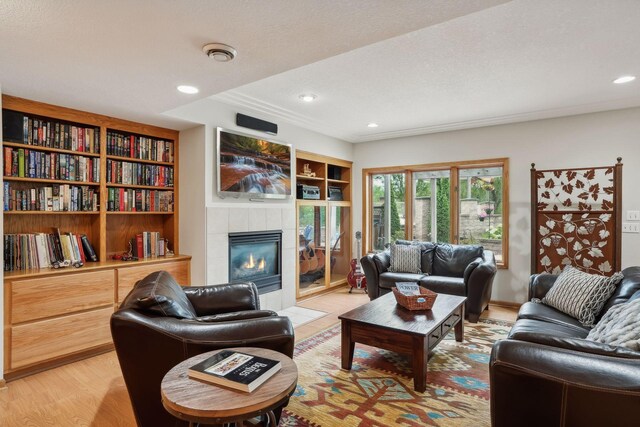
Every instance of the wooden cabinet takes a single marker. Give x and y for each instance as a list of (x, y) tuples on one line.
[(323, 225), (127, 277), (120, 179), (56, 316)]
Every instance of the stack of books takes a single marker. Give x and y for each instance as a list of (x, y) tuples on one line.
[(236, 370)]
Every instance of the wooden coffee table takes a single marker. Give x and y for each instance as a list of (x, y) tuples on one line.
[(385, 324), (200, 402)]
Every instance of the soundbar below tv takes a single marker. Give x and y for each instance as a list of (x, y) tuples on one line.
[(253, 167)]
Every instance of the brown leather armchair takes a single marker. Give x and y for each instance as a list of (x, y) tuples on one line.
[(160, 324)]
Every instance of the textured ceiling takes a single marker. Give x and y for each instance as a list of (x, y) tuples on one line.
[(413, 66), (125, 57), (522, 60)]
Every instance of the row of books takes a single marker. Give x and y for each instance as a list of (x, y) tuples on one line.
[(40, 250), (139, 147), (119, 172), (55, 134), (25, 163), (148, 244), (138, 200), (52, 198)]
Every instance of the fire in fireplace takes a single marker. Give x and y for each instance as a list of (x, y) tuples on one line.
[(256, 257)]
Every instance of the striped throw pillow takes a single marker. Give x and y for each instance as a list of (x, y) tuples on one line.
[(581, 295), (405, 259)]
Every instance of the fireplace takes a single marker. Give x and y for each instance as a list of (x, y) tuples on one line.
[(256, 257)]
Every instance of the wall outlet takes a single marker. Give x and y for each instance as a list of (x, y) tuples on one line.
[(630, 227), (633, 215)]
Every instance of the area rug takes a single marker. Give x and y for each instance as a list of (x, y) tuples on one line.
[(378, 391)]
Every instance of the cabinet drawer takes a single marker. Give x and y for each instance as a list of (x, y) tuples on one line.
[(434, 337), (61, 294), (47, 339), (128, 276), (448, 324)]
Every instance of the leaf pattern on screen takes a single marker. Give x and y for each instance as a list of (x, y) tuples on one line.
[(581, 240), (584, 190)]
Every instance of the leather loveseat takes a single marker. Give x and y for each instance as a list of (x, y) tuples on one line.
[(465, 270), (160, 324), (546, 374)]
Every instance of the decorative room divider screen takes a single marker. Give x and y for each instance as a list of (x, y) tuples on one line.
[(576, 219)]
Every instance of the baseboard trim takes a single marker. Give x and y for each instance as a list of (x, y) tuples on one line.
[(3, 385), (506, 304)]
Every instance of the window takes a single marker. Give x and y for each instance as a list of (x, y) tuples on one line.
[(458, 202), (431, 206), (388, 218)]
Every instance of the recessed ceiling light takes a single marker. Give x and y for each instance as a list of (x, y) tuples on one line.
[(372, 125), (624, 79), (308, 97), (188, 89)]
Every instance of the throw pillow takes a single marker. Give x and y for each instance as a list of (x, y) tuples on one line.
[(405, 259), (619, 326), (581, 295)]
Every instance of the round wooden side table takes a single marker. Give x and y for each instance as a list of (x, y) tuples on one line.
[(200, 402)]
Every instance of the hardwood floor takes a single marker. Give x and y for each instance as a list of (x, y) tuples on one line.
[(92, 393)]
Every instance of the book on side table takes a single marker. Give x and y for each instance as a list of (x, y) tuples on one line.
[(240, 371)]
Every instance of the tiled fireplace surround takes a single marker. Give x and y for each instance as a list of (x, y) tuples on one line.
[(224, 220)]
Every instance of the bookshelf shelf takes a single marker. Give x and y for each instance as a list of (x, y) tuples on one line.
[(48, 149), (83, 297), (135, 160), (138, 213), (337, 181), (144, 187), (51, 213), (49, 181), (309, 178)]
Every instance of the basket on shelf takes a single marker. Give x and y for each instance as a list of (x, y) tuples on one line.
[(424, 301)]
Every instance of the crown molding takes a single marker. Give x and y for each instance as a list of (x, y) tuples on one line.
[(232, 97), (242, 100)]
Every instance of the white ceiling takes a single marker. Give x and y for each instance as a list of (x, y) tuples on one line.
[(413, 66)]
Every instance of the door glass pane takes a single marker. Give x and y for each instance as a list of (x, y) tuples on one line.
[(431, 206), (311, 247), (339, 262), (481, 208), (388, 216)]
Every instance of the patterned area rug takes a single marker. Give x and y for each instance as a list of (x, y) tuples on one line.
[(378, 391)]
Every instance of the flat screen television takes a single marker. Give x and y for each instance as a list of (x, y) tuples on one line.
[(251, 166)]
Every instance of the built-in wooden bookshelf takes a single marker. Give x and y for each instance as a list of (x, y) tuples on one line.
[(323, 256), (69, 148), (327, 173)]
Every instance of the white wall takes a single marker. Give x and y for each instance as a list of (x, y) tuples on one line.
[(576, 141), (192, 201), (206, 219), (1, 254)]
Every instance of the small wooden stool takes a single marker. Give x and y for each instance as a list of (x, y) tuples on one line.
[(200, 402)]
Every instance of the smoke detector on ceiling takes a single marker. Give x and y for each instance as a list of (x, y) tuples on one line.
[(219, 51)]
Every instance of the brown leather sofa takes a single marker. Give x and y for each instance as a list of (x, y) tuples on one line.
[(160, 324), (464, 270), (546, 374)]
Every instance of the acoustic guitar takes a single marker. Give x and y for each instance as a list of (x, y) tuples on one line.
[(309, 260), (356, 278)]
